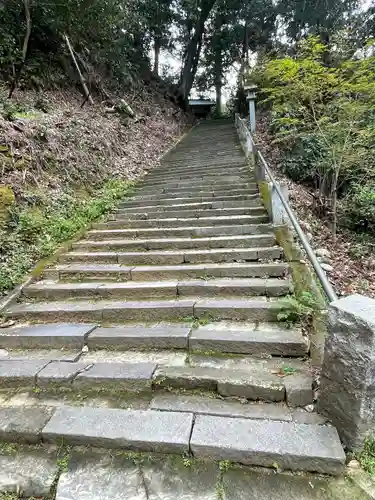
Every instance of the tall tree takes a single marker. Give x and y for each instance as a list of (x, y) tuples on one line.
[(194, 45)]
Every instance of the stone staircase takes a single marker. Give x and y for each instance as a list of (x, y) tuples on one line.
[(158, 332)]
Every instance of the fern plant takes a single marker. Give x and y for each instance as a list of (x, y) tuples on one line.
[(296, 308)]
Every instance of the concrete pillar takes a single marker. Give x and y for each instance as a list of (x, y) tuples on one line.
[(252, 114), (347, 390), (279, 215)]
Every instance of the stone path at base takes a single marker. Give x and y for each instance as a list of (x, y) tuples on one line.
[(158, 332)]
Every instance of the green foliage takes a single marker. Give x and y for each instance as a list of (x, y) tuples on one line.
[(359, 207), (34, 233), (296, 308), (367, 457), (322, 118)]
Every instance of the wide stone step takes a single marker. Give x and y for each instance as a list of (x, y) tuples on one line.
[(203, 405), (199, 188), (121, 214), (181, 232), (209, 193), (195, 199), (291, 445), (239, 338), (226, 337), (255, 240), (189, 222), (197, 172), (158, 273), (203, 206), (170, 257), (152, 310), (137, 290), (193, 181)]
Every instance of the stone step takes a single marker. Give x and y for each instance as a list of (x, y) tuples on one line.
[(205, 205), (193, 181), (155, 310), (239, 338), (204, 405), (137, 290), (199, 188), (248, 241), (255, 381), (121, 214), (225, 337), (209, 193), (247, 378), (189, 222), (80, 376), (196, 172), (170, 257), (181, 232), (195, 199), (198, 180), (206, 271), (266, 443), (189, 160), (294, 446), (246, 338)]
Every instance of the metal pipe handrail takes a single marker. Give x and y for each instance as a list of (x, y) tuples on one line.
[(327, 287)]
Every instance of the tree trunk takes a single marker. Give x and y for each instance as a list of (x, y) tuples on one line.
[(157, 47), (193, 50), (24, 47), (218, 63)]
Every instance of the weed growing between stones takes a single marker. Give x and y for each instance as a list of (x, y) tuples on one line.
[(202, 321), (8, 448), (224, 466), (367, 456)]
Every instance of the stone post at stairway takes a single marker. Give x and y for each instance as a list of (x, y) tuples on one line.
[(347, 389)]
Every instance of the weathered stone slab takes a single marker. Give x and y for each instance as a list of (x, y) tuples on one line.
[(23, 423), (20, 372), (59, 373), (147, 311), (305, 417), (120, 376), (293, 446), (224, 408), (280, 342), (126, 429), (244, 484), (237, 309), (347, 391), (241, 383), (56, 311), (63, 335), (168, 479), (299, 390), (140, 337), (30, 474), (186, 377), (94, 478), (40, 354)]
